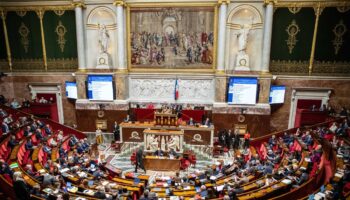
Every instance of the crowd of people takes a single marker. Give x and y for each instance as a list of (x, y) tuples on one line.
[(296, 156)]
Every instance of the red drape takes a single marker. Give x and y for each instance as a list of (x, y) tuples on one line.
[(195, 114), (143, 114)]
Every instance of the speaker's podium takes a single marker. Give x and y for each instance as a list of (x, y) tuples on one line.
[(165, 119)]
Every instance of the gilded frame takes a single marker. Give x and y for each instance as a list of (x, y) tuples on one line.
[(166, 5)]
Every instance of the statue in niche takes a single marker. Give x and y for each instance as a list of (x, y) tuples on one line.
[(103, 59), (243, 37), (242, 58), (103, 38)]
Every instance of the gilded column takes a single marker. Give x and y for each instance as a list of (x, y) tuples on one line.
[(8, 49), (80, 34), (221, 36), (318, 11), (119, 9), (267, 37), (40, 14)]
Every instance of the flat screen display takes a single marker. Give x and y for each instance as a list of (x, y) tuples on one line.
[(100, 87), (242, 90), (71, 90), (277, 93)]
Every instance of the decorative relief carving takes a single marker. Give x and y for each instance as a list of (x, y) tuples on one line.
[(146, 89), (24, 32), (163, 89), (196, 89), (61, 32), (339, 30), (292, 30)]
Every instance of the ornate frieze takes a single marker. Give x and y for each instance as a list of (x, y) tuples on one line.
[(190, 90), (289, 67)]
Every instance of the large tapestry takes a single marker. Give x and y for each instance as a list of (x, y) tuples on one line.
[(172, 37)]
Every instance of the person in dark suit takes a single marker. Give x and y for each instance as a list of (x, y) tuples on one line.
[(40, 124), (222, 138), (27, 132), (206, 122), (5, 128), (236, 139), (173, 153), (13, 142), (159, 152), (48, 130), (20, 187), (228, 139), (29, 145), (191, 122), (127, 119), (38, 134), (116, 131), (139, 160)]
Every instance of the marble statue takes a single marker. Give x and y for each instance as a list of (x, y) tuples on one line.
[(152, 142), (243, 37), (103, 38), (242, 58)]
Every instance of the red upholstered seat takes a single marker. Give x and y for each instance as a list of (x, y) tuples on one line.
[(8, 178)]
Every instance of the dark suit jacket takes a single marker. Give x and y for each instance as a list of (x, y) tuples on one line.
[(21, 190), (158, 153)]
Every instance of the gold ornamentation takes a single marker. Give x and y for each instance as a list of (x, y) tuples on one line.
[(289, 67), (21, 13), (283, 4), (61, 32), (119, 3), (24, 32), (318, 10), (292, 30), (40, 14), (7, 43), (294, 9), (331, 68), (59, 12), (35, 8), (343, 8), (78, 4), (339, 30)]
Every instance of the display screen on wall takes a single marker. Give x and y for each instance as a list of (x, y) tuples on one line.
[(277, 93), (71, 90), (100, 87), (242, 90)]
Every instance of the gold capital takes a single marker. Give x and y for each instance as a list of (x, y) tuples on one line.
[(40, 14), (78, 4), (119, 3), (223, 2), (270, 1)]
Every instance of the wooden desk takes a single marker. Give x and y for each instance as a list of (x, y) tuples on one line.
[(161, 164), (165, 119), (133, 132)]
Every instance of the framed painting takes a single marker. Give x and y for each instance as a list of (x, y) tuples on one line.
[(170, 37)]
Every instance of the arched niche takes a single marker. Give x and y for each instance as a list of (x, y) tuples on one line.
[(101, 15), (244, 14)]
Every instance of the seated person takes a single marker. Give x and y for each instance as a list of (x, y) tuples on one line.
[(159, 152), (73, 140), (42, 100), (29, 145), (47, 129), (25, 103), (191, 122), (8, 119), (272, 141), (38, 134), (5, 168), (3, 113), (46, 148), (40, 124), (127, 119), (12, 142), (27, 132), (172, 153), (5, 128), (206, 122), (15, 104)]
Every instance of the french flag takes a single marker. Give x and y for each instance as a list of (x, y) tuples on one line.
[(176, 95)]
